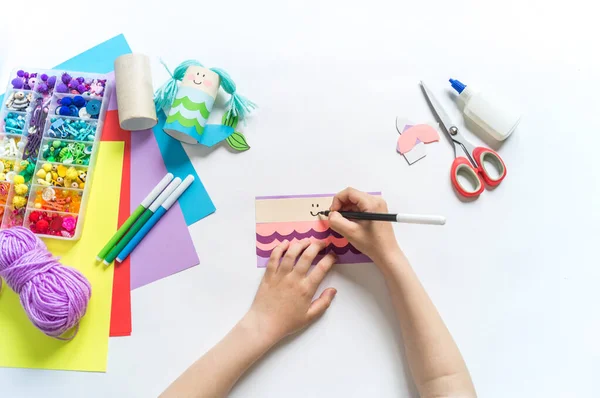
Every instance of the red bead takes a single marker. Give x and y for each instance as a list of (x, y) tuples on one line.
[(34, 216), (41, 226)]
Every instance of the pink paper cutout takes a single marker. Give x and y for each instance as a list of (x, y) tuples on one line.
[(415, 134)]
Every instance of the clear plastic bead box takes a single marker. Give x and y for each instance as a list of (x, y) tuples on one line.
[(49, 139)]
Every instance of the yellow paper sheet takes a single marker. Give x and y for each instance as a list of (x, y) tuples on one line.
[(24, 346)]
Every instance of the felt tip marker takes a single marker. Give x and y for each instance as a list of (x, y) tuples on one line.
[(134, 216), (403, 218), (142, 220), (158, 213)]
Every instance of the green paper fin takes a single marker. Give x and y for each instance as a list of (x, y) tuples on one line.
[(238, 142)]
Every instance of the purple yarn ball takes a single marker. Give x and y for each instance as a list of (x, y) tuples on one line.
[(44, 77), (66, 78), (51, 81), (20, 73), (42, 88), (54, 297), (17, 83), (62, 88)]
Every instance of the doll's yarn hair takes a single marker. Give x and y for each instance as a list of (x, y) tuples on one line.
[(237, 105), (55, 297)]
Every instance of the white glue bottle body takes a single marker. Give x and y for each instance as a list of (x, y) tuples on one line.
[(496, 119)]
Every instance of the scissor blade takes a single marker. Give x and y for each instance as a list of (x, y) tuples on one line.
[(443, 118)]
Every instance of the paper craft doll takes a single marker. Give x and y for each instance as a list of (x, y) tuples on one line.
[(188, 106)]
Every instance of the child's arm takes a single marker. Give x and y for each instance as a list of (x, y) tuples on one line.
[(435, 362), (283, 305)]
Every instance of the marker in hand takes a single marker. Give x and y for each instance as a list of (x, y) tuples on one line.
[(404, 218)]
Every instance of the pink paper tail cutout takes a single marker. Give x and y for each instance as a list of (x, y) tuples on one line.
[(410, 137)]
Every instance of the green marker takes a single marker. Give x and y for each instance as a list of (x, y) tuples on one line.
[(134, 216), (139, 223)]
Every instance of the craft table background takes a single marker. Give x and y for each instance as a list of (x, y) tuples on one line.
[(514, 274)]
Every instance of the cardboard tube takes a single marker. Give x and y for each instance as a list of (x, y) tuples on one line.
[(135, 96)]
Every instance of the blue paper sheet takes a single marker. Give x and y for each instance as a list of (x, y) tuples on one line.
[(195, 203)]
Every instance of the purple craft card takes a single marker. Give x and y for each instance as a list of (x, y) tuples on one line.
[(294, 217), (153, 259)]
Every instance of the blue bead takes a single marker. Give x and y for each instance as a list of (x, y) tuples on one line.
[(93, 107), (79, 101), (66, 101), (64, 110)]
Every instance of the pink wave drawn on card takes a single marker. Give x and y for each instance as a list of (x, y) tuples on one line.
[(269, 235)]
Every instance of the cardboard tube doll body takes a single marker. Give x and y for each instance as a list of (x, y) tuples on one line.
[(190, 103)]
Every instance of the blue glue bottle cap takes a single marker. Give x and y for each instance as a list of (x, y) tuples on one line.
[(457, 85)]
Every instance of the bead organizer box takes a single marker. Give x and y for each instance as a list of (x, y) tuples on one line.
[(50, 126)]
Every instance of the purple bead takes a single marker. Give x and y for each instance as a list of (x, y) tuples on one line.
[(80, 79), (20, 73), (73, 84), (81, 88), (51, 81), (17, 83), (62, 88), (42, 88), (26, 75), (66, 78), (44, 77)]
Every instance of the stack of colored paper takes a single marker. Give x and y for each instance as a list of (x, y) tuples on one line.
[(129, 165)]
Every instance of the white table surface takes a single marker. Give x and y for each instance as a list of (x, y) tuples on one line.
[(514, 274)]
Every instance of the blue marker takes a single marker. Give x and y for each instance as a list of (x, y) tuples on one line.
[(160, 206)]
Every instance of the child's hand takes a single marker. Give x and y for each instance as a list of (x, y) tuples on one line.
[(284, 302), (373, 238)]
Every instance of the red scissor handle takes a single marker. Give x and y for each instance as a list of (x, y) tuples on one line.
[(463, 167), (479, 155)]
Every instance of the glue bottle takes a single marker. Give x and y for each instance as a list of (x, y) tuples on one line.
[(497, 120)]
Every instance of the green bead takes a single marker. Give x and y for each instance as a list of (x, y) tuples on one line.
[(50, 159), (56, 144)]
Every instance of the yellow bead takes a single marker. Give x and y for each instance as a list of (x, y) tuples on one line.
[(38, 205), (72, 173), (21, 189), (47, 167), (61, 170), (19, 179), (19, 201), (2, 177), (41, 173)]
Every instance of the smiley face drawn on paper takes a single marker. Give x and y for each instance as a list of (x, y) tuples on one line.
[(316, 208), (286, 209), (202, 79)]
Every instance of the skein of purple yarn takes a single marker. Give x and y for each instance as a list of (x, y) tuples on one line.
[(55, 297)]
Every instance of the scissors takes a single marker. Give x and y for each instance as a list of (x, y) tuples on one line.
[(479, 164)]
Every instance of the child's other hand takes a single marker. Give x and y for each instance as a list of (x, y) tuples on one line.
[(284, 302), (373, 238)]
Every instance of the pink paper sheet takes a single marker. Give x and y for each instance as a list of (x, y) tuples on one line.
[(168, 247)]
